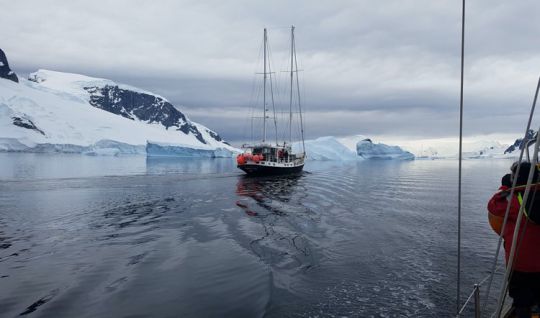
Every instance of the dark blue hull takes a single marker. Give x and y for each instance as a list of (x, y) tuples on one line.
[(260, 170)]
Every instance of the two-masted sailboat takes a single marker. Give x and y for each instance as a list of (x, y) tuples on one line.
[(267, 158)]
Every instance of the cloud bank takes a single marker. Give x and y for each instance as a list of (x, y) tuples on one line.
[(386, 68)]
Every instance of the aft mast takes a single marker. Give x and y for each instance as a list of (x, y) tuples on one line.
[(264, 86), (291, 89)]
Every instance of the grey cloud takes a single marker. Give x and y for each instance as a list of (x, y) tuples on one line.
[(387, 67)]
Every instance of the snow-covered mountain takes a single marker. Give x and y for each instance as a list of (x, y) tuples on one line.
[(519, 143), (479, 149), (64, 112), (486, 151)]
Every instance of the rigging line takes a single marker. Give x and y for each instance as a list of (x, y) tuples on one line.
[(489, 275), (299, 104), (460, 157), (511, 257), (304, 98), (255, 92), (277, 97), (536, 186), (512, 191), (272, 94), (291, 89)]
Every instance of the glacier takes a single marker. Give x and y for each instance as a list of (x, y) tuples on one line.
[(72, 113), (156, 149)]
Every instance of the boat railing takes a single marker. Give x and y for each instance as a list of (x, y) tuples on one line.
[(474, 297), (291, 158)]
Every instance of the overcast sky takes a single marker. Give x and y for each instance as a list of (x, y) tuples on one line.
[(379, 68)]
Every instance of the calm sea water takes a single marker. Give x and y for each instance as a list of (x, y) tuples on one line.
[(135, 237)]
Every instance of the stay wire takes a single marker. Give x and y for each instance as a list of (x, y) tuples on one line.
[(460, 158), (272, 79), (255, 94)]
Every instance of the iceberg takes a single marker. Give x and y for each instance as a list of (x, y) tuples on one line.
[(369, 150), (325, 149), (349, 148)]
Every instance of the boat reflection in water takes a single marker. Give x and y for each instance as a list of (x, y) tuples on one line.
[(196, 166), (271, 194), (279, 219)]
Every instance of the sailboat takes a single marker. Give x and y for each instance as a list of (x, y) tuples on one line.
[(267, 158)]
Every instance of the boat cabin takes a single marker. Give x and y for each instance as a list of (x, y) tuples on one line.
[(280, 153)]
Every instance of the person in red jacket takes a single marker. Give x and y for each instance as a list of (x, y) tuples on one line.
[(524, 283)]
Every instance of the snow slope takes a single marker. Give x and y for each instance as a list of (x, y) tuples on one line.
[(63, 112), (487, 150), (478, 149)]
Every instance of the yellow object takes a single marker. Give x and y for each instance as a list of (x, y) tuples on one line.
[(520, 199)]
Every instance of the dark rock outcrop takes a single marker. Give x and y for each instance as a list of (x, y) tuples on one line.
[(5, 71), (26, 123), (140, 106), (520, 142)]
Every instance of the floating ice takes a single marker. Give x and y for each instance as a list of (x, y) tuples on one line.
[(369, 150), (326, 148)]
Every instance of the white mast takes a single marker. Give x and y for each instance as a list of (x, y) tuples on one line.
[(291, 89), (264, 90)]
